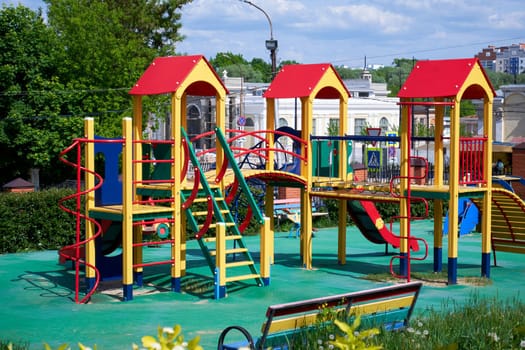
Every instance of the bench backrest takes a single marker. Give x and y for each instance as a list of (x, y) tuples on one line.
[(386, 307)]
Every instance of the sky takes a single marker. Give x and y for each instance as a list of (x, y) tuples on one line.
[(344, 32)]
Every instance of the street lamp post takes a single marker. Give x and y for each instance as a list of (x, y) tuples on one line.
[(271, 44)]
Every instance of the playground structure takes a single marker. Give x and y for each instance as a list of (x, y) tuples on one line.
[(158, 190)]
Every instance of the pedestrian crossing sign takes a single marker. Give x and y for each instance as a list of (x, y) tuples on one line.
[(374, 158)]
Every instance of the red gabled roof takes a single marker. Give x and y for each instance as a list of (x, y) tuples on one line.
[(18, 183), (166, 74), (441, 78), (298, 80)]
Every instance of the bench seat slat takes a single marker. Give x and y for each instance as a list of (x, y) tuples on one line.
[(303, 320)]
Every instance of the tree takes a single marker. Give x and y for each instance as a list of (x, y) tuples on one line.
[(108, 45), (348, 73), (30, 57), (395, 75), (236, 66), (82, 63), (223, 59), (497, 78), (264, 68), (156, 22)]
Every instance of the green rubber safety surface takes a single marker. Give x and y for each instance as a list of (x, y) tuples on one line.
[(38, 293)]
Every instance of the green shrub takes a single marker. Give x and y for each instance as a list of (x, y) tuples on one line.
[(8, 345), (34, 221)]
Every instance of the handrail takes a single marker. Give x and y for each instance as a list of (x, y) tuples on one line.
[(409, 217), (257, 150), (196, 180), (79, 216), (205, 186), (238, 174)]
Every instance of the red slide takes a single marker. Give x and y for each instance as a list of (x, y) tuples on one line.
[(372, 226)]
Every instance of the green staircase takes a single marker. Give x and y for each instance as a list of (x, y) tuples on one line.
[(208, 208)]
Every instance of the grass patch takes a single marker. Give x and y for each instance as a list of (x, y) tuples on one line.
[(431, 278), (20, 345), (480, 323)]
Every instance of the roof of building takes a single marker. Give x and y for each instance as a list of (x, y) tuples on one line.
[(443, 78), (18, 183), (519, 146), (299, 80), (167, 74)]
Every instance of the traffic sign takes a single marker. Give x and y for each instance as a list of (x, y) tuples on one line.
[(241, 121)]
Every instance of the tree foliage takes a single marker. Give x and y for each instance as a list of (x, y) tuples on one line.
[(348, 73), (30, 57), (81, 63), (237, 66)]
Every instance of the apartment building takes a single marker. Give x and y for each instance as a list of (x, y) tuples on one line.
[(503, 59)]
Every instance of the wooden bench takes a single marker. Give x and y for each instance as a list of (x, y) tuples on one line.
[(290, 208), (388, 308)]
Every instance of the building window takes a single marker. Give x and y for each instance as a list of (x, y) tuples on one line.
[(194, 112), (249, 123), (282, 122), (383, 124), (360, 126), (333, 127)]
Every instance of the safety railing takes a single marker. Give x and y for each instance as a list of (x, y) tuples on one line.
[(471, 164), (252, 149)]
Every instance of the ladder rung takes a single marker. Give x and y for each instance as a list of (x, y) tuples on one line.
[(199, 213), (242, 277), (236, 250), (232, 237), (228, 224), (239, 263), (214, 239), (230, 251), (200, 200)]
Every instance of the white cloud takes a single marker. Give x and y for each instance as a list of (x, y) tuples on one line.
[(373, 17), (344, 31), (514, 20), (429, 4)]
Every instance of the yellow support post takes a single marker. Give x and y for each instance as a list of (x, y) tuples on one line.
[(127, 209), (176, 188), (487, 197), (220, 257), (270, 125), (454, 193), (439, 169), (306, 173), (268, 200), (267, 240), (343, 166), (90, 202), (403, 185)]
